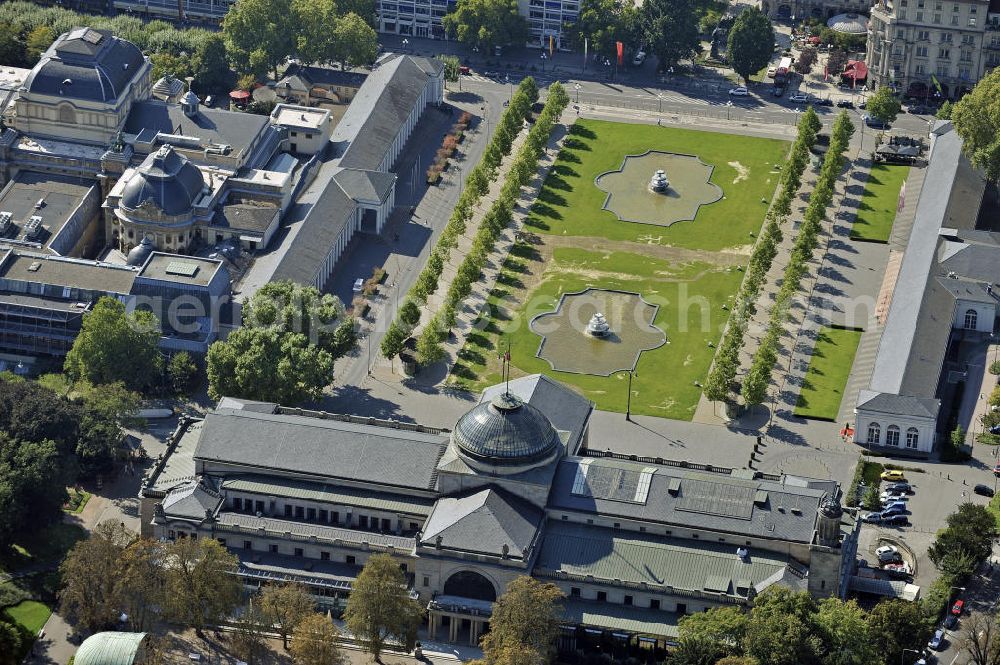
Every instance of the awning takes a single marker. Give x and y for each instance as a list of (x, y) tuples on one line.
[(855, 70), (622, 618), (239, 94)]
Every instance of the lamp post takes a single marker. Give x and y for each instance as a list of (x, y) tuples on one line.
[(510, 86), (544, 58), (628, 398), (576, 86), (406, 42), (659, 100)]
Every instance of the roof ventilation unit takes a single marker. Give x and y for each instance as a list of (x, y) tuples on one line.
[(33, 227)]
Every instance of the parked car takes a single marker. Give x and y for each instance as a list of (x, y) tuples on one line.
[(894, 508), (887, 551), (799, 98), (778, 90), (739, 91), (209, 101), (901, 487), (863, 105), (771, 71), (823, 102), (640, 56), (950, 622), (983, 490), (875, 123), (995, 429), (892, 474), (891, 497), (896, 520), (958, 607), (898, 571), (919, 109), (464, 69), (359, 285), (845, 104), (937, 641), (872, 518)]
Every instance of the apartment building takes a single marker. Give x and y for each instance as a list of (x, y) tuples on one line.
[(918, 45)]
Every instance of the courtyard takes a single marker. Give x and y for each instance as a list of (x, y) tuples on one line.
[(683, 274)]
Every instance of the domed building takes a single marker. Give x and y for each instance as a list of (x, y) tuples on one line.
[(161, 201), (505, 435), (83, 88)]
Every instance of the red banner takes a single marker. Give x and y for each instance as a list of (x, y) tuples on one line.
[(621, 49)]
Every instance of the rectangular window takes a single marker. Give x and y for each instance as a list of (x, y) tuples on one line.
[(972, 22), (574, 591), (628, 600), (602, 595), (298, 551), (924, 35), (300, 512), (954, 20), (288, 510), (350, 560), (920, 16), (427, 580), (919, 70), (324, 556), (247, 544), (921, 51), (238, 504), (260, 507), (324, 515), (413, 526), (386, 525), (944, 54), (335, 517), (311, 514), (362, 521), (937, 18), (273, 549), (654, 604)]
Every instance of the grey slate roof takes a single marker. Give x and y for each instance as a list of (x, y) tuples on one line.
[(324, 76), (625, 618), (323, 532), (369, 186), (484, 522), (972, 259), (270, 567), (904, 405), (328, 493), (567, 410), (218, 126), (659, 561), (322, 212), (966, 289), (710, 501), (245, 217), (320, 448), (378, 111), (97, 65), (191, 500), (239, 403), (168, 180)]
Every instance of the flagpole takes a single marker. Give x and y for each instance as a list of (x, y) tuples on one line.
[(508, 367)]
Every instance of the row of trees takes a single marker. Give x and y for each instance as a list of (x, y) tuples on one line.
[(792, 628), (262, 34), (754, 388), (476, 186), (496, 219), (286, 347), (719, 385)]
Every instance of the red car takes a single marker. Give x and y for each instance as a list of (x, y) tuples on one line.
[(957, 608), (464, 69), (996, 470)]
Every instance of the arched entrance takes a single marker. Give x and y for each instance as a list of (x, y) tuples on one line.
[(470, 584)]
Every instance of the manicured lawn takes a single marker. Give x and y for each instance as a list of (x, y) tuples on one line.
[(29, 614), (571, 205), (879, 203), (823, 387), (691, 270)]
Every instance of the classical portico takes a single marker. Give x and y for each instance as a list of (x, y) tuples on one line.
[(457, 614)]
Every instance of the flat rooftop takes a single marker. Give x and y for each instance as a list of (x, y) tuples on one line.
[(299, 117), (60, 197), (190, 270), (68, 273)]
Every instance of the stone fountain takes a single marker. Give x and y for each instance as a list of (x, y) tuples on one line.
[(598, 326), (659, 183)]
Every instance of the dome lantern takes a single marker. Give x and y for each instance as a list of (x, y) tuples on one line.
[(505, 432)]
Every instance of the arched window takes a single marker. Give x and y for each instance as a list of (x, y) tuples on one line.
[(892, 435), (874, 434), (912, 437), (67, 114), (470, 584), (971, 319)]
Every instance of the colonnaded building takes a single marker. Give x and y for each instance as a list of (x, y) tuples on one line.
[(112, 184), (516, 488)]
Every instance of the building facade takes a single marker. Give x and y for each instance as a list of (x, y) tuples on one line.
[(512, 490), (911, 41)]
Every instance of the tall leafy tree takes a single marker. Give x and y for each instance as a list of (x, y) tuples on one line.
[(259, 34), (750, 42), (602, 23), (114, 345), (293, 308), (90, 573), (487, 23), (844, 631), (894, 625), (379, 607), (977, 121), (780, 630), (209, 65), (883, 105), (670, 29), (315, 642), (355, 41), (725, 626), (315, 21), (10, 643), (248, 640), (201, 582), (285, 606), (37, 41), (525, 620), (971, 530), (140, 583)]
